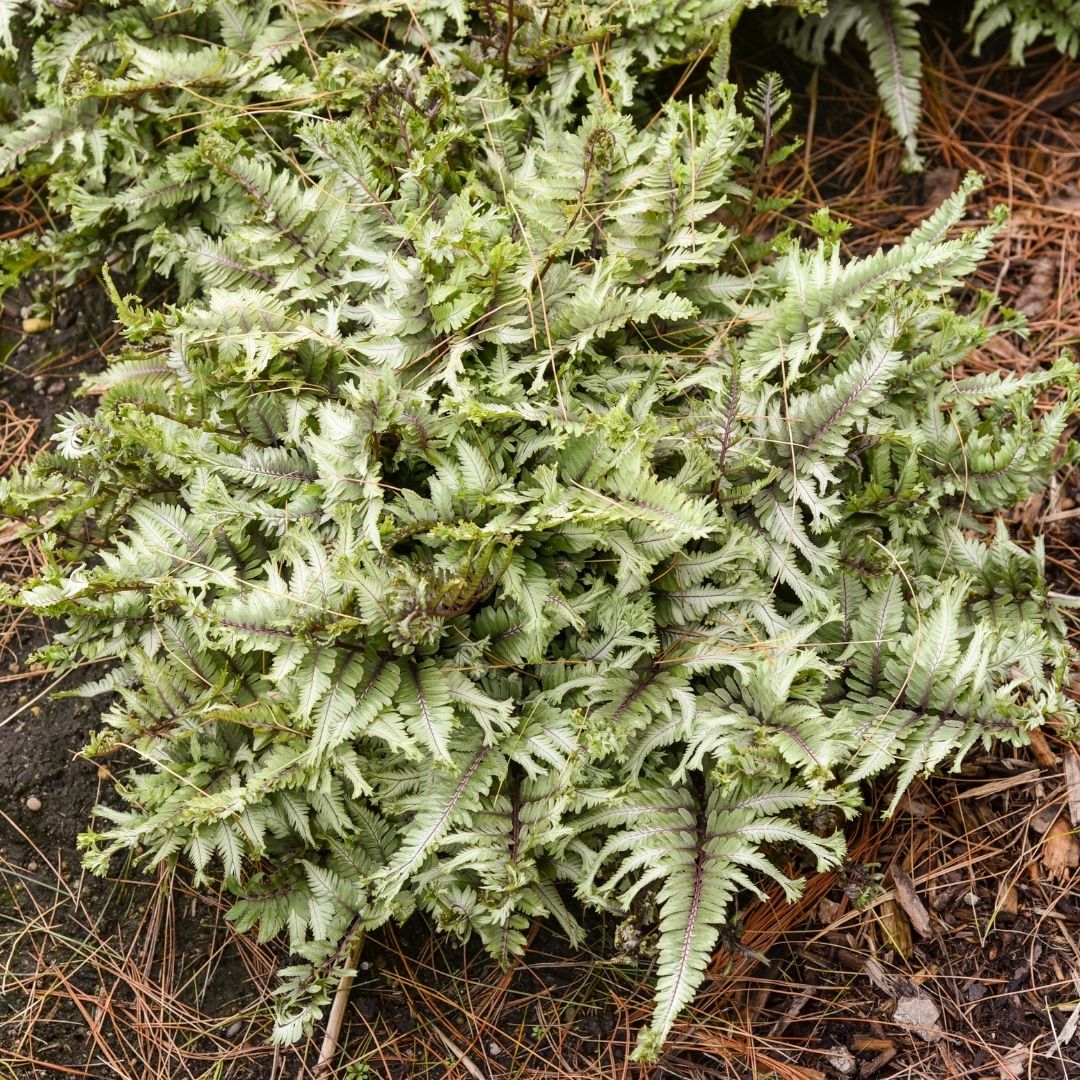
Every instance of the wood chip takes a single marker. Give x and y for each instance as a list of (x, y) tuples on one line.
[(908, 899), (876, 974), (1044, 818), (1040, 748), (879, 1062), (1060, 850), (1072, 784), (895, 927), (870, 1044), (827, 911)]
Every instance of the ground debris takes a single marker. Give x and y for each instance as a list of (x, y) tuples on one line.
[(919, 1014), (1060, 850)]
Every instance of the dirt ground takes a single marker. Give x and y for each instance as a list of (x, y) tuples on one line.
[(947, 947)]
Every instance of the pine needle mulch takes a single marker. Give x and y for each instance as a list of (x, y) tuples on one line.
[(946, 948)]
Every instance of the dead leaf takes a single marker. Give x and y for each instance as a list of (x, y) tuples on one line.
[(10, 531), (1060, 850), (1007, 900), (938, 185), (1014, 1064), (920, 1015), (908, 899), (1039, 289)]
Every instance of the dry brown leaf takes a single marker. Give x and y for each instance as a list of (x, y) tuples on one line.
[(1014, 1064), (1040, 288), (827, 911), (1007, 899), (938, 185)]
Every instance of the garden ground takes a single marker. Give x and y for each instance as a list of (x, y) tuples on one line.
[(946, 948)]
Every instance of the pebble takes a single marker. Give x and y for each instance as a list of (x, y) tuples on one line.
[(842, 1060), (921, 1015), (33, 804), (57, 386)]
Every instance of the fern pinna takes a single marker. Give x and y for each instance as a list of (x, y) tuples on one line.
[(491, 527)]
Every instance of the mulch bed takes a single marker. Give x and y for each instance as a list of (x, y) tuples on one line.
[(946, 948)]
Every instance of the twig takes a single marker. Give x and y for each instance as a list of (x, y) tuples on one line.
[(328, 1050)]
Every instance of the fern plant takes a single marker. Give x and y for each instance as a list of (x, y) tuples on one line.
[(109, 101), (889, 31), (1027, 21), (491, 528)]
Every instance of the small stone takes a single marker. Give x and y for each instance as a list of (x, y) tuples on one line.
[(57, 386), (920, 1015), (31, 867), (25, 312), (33, 804), (494, 1049), (842, 1060)]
